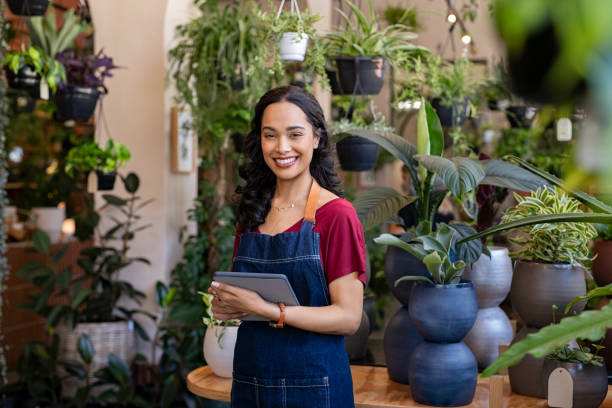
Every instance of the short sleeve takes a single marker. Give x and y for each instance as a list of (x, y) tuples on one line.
[(342, 241)]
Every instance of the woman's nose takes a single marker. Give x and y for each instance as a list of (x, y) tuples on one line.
[(283, 144)]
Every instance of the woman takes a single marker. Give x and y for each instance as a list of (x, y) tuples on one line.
[(292, 221)]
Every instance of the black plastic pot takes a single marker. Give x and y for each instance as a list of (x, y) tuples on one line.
[(520, 116), (106, 181), (28, 7), (357, 153), (361, 75), (454, 115), (76, 103), (590, 382), (333, 82), (26, 79), (401, 338)]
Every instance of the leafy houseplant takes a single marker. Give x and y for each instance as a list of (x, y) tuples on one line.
[(26, 67), (85, 75), (362, 50), (105, 162), (45, 34)]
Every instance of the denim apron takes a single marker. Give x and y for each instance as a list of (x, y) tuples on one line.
[(289, 367)]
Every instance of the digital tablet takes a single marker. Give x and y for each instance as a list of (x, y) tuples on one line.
[(272, 287)]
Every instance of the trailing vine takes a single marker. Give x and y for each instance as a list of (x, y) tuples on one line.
[(4, 269)]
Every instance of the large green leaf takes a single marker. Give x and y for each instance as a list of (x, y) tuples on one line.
[(423, 146), (591, 202), (436, 135), (394, 144), (118, 368), (459, 174), (41, 240), (503, 174), (388, 239), (590, 325), (469, 252), (85, 348), (543, 219), (377, 205)]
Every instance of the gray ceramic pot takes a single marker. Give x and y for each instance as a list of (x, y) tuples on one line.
[(526, 376), (491, 277), (491, 329), (401, 338), (357, 344), (590, 382), (536, 287)]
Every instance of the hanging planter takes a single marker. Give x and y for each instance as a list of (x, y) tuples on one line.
[(361, 75), (26, 79), (28, 7), (332, 76), (293, 46), (106, 181), (357, 153), (521, 116), (454, 115), (76, 103)]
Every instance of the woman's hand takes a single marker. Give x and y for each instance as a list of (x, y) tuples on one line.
[(232, 302)]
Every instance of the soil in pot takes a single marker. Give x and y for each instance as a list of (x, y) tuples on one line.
[(454, 115), (357, 153), (361, 75)]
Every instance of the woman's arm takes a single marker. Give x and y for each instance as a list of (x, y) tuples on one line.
[(342, 317)]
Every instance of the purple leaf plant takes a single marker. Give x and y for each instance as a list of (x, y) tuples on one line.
[(86, 70)]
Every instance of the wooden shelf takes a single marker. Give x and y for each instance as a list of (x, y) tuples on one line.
[(373, 389)]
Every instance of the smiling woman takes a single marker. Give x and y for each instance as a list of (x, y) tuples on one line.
[(289, 169)]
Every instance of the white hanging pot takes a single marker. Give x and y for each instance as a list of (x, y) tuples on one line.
[(293, 46), (219, 355), (49, 220)]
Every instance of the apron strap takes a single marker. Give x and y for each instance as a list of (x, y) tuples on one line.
[(311, 204)]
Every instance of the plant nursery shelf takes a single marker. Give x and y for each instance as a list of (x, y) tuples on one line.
[(373, 389)]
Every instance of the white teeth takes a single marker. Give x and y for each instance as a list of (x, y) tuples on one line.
[(286, 161)]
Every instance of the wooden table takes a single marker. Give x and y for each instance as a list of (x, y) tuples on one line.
[(373, 389)]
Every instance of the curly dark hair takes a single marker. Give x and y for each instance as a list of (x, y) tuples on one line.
[(254, 197)]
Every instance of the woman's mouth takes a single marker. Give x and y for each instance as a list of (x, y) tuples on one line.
[(288, 162)]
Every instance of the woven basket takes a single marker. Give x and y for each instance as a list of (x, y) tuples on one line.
[(114, 337)]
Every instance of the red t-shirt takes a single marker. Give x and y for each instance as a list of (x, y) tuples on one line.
[(342, 245)]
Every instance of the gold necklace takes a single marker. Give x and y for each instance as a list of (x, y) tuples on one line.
[(279, 209)]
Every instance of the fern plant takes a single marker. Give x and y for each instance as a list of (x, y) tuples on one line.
[(555, 243)]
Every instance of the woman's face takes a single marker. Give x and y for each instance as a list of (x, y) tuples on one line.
[(287, 140)]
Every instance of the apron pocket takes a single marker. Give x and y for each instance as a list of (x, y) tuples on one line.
[(313, 391), (244, 392), (280, 392)]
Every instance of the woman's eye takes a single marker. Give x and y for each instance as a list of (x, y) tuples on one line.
[(269, 136), (296, 134)]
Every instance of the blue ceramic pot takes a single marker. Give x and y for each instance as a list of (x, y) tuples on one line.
[(443, 375), (401, 338), (400, 263), (443, 313)]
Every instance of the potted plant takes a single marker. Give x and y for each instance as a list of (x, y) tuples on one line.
[(90, 156), (76, 99), (25, 68), (496, 89), (28, 7), (521, 116), (219, 340), (94, 298), (362, 50), (356, 153), (442, 369)]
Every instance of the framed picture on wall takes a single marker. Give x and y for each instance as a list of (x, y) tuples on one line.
[(183, 143)]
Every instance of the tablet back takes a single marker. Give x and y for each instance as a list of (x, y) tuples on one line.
[(270, 286)]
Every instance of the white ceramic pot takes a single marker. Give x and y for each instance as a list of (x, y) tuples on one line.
[(219, 355), (49, 220), (293, 46)]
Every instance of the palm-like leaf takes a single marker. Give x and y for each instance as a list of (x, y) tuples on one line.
[(543, 219), (388, 239), (590, 325), (503, 174), (379, 204), (459, 174), (394, 144)]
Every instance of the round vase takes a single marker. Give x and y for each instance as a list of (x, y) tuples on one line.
[(49, 220), (491, 329), (526, 376), (443, 313), (590, 382), (602, 264), (293, 46), (491, 277), (536, 287), (443, 374), (401, 338), (357, 344), (400, 263), (219, 355)]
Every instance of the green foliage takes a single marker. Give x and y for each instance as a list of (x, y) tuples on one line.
[(363, 37), (45, 34), (399, 15), (434, 250), (578, 355), (90, 156), (604, 231), (376, 121), (94, 296), (557, 243), (497, 87), (47, 66)]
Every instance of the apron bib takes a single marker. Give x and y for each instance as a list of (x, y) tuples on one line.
[(289, 367)]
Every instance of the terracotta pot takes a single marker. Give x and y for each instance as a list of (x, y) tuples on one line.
[(590, 382), (602, 264), (536, 287)]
